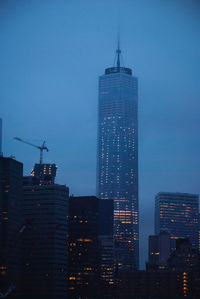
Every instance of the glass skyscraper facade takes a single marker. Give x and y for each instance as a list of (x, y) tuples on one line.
[(178, 213), (117, 161)]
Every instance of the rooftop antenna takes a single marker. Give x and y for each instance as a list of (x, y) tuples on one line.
[(118, 44), (118, 56), (118, 52)]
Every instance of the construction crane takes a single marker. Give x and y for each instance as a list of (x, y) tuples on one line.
[(41, 148)]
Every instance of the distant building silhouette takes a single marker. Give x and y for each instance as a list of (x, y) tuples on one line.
[(151, 285), (159, 251), (117, 161), (184, 258), (45, 240), (179, 214), (175, 278), (11, 200)]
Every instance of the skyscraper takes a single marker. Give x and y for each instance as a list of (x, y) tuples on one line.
[(83, 246), (159, 251), (106, 241), (91, 261), (0, 137), (117, 161), (11, 201), (179, 214), (45, 240)]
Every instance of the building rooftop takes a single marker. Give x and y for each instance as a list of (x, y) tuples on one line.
[(116, 69), (176, 195)]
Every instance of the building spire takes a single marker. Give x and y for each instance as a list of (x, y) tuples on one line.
[(118, 51)]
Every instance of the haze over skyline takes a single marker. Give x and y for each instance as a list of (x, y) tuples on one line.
[(51, 56)]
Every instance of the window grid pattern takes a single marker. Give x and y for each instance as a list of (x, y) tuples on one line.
[(117, 173)]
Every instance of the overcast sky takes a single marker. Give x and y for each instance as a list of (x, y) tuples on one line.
[(51, 54)]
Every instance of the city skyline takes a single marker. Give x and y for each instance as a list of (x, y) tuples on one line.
[(49, 89)]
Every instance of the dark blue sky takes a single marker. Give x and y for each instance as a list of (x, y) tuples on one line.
[(51, 55)]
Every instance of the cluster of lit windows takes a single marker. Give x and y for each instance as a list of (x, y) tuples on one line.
[(185, 284)]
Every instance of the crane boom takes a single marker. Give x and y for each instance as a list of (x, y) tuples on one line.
[(41, 148), (19, 139)]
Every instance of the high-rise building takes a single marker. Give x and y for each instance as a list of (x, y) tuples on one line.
[(83, 246), (106, 241), (184, 258), (11, 200), (159, 251), (178, 213), (45, 240), (0, 137), (91, 250), (152, 284), (199, 234), (117, 159)]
